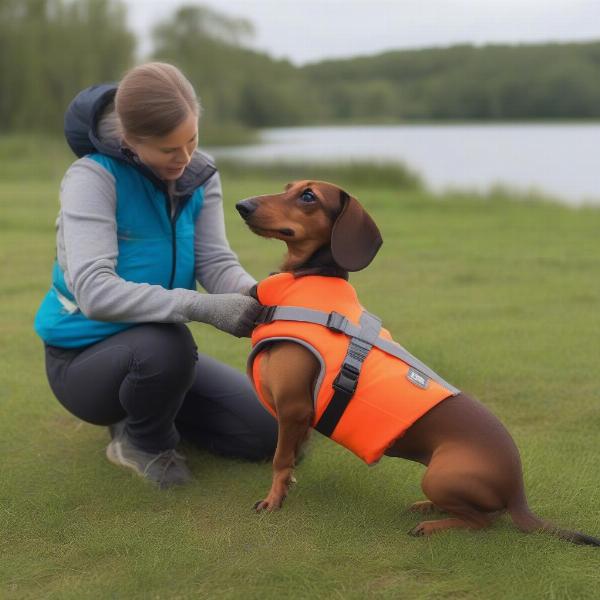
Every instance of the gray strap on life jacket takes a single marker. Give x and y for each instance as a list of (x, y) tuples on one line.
[(419, 373)]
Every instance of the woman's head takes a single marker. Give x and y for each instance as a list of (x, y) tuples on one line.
[(158, 111)]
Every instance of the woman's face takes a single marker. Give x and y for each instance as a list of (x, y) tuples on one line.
[(170, 154)]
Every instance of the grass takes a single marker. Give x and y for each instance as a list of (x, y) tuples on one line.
[(500, 295)]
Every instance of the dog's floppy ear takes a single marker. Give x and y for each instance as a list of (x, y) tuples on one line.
[(355, 239)]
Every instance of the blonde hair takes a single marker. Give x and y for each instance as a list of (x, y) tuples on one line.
[(153, 99)]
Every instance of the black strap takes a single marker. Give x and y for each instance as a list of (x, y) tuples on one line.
[(347, 379)]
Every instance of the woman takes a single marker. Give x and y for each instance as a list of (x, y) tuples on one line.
[(141, 221)]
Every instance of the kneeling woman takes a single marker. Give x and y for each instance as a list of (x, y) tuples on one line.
[(141, 221)]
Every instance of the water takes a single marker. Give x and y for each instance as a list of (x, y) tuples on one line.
[(559, 160)]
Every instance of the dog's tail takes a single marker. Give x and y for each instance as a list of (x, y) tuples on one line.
[(527, 522)]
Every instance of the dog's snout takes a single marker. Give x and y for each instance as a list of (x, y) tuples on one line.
[(246, 207)]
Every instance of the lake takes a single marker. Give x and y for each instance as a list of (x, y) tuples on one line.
[(559, 160)]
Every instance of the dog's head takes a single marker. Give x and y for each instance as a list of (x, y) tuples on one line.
[(315, 218)]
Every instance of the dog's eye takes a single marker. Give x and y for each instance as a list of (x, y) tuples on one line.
[(308, 196)]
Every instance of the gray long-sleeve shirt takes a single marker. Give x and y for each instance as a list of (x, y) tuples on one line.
[(87, 252)]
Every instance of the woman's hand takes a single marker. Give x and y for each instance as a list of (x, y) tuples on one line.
[(233, 313)]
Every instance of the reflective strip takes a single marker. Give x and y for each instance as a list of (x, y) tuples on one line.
[(260, 346), (338, 323), (67, 304)]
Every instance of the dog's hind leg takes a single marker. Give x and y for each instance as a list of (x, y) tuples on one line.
[(429, 527), (461, 484), (424, 507)]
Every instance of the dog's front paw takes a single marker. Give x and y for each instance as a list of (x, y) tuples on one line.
[(260, 506), (418, 531), (270, 503)]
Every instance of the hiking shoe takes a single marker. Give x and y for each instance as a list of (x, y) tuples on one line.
[(165, 469)]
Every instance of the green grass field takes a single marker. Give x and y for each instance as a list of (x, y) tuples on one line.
[(500, 296)]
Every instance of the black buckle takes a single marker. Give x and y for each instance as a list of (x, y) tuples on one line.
[(336, 322), (266, 315), (347, 379)]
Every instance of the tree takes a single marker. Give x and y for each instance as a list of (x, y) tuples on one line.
[(51, 49)]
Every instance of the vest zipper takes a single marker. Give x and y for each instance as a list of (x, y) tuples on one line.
[(173, 222), (174, 246)]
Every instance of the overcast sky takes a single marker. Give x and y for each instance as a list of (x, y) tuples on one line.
[(310, 30)]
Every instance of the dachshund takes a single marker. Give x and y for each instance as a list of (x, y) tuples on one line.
[(473, 468)]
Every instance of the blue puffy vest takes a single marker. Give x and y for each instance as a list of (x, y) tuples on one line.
[(146, 255)]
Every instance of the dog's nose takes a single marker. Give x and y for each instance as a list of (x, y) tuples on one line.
[(246, 207)]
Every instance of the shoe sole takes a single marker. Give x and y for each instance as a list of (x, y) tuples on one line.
[(115, 456)]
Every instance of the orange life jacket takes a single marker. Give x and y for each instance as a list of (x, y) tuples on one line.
[(390, 395)]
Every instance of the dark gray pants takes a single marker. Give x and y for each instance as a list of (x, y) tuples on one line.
[(153, 376)]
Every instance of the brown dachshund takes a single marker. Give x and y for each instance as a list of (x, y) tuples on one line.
[(473, 469)]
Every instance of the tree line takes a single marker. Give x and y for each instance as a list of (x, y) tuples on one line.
[(50, 49)]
